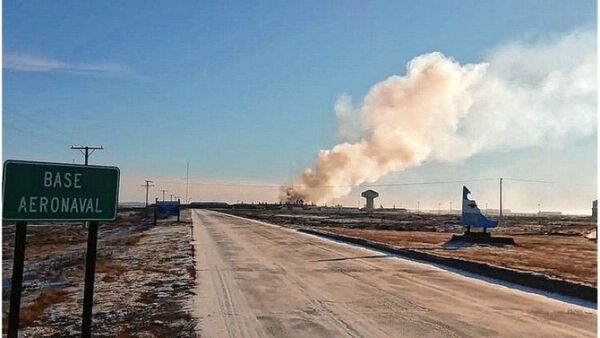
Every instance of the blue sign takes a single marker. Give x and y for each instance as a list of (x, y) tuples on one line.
[(165, 209), (471, 215)]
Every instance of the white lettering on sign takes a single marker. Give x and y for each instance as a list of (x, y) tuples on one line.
[(32, 203), (67, 180), (47, 179), (22, 205), (77, 183), (73, 206), (98, 210), (64, 180), (54, 204), (43, 204), (65, 204)]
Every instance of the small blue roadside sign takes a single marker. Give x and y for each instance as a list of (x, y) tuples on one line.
[(165, 209)]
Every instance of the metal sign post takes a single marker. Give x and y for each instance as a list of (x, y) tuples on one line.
[(40, 191), (90, 270), (17, 280), (155, 213)]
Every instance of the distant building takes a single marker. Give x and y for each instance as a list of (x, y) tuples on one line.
[(370, 196), (505, 212), (549, 213), (595, 209), (209, 205)]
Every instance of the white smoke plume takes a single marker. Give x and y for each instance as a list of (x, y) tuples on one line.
[(533, 93)]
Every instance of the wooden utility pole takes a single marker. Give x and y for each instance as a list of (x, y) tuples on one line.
[(90, 260), (85, 150), (187, 183), (147, 185), (500, 218)]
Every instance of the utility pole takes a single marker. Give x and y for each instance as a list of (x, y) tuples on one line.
[(418, 205), (163, 192), (500, 219), (187, 183), (85, 150), (171, 195), (90, 260), (147, 185)]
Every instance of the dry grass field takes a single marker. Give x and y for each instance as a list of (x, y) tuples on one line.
[(567, 257), (144, 277)]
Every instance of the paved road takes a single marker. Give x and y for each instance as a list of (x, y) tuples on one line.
[(259, 280)]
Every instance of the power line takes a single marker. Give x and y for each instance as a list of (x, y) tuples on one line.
[(29, 134), (36, 123), (328, 186), (420, 183), (527, 180), (39, 123), (275, 185), (50, 133)]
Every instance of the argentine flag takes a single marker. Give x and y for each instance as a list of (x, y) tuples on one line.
[(471, 215)]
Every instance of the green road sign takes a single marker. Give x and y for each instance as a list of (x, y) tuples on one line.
[(39, 191)]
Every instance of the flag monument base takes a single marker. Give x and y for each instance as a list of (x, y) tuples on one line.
[(482, 238)]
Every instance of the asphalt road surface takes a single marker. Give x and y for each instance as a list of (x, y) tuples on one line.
[(259, 280)]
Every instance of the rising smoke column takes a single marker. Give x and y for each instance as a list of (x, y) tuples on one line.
[(526, 94)]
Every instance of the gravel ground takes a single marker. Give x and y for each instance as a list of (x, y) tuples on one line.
[(144, 279)]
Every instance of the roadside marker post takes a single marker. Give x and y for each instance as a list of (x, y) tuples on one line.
[(52, 192)]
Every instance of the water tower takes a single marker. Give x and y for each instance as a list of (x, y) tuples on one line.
[(369, 195)]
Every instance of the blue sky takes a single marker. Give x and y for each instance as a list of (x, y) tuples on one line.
[(243, 91)]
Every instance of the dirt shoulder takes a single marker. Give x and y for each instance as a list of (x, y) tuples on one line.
[(555, 247), (144, 279), (571, 258)]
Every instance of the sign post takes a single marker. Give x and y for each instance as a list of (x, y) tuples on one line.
[(155, 215), (90, 273), (17, 280), (40, 191)]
